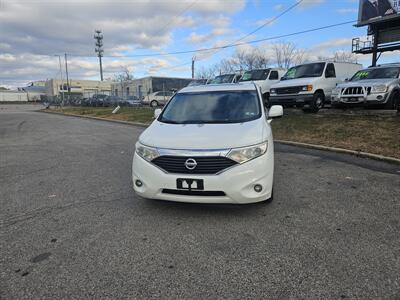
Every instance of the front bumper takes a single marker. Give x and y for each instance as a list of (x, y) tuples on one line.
[(365, 100), (237, 183), (292, 99)]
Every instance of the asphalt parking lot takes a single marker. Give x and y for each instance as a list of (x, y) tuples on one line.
[(71, 227)]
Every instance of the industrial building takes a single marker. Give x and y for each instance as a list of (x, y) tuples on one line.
[(147, 85), (13, 96), (77, 87)]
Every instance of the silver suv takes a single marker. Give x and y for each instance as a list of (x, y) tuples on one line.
[(372, 86)]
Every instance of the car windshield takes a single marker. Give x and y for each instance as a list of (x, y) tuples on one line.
[(303, 71), (212, 107), (378, 73), (255, 75), (223, 79)]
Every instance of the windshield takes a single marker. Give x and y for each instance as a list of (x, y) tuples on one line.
[(378, 73), (255, 75), (223, 79), (303, 71), (212, 107)]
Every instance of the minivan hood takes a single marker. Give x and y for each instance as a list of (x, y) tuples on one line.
[(366, 82), (205, 136), (295, 82)]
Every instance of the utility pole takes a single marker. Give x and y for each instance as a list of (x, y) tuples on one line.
[(193, 60), (99, 49), (62, 82), (66, 72)]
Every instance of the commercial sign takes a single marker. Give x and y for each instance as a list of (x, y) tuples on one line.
[(372, 11)]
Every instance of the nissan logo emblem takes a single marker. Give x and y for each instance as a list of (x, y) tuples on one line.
[(190, 164)]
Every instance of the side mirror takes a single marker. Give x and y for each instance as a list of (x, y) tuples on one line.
[(276, 111), (157, 113), (346, 79)]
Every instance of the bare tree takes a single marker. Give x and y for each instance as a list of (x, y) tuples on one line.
[(287, 55), (124, 75), (340, 56), (343, 56), (123, 79), (251, 59), (207, 72)]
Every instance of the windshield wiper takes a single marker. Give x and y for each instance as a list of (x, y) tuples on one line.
[(170, 121)]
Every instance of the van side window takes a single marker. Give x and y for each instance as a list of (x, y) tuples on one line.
[(330, 71), (274, 75)]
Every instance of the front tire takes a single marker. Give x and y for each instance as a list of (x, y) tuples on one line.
[(316, 104), (154, 103), (394, 101)]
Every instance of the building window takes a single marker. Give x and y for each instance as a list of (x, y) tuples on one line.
[(116, 92), (127, 91)]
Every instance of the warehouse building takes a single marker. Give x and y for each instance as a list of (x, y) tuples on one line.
[(13, 96), (147, 85), (79, 88)]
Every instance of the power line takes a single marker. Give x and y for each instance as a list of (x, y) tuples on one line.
[(165, 27), (270, 21), (226, 46)]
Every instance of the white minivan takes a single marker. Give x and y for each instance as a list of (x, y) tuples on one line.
[(264, 78), (210, 144), (310, 85)]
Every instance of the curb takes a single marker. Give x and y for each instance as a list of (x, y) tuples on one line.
[(298, 144), (95, 118), (341, 150)]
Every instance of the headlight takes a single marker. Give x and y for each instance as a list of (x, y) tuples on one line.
[(146, 152), (241, 155), (379, 88), (307, 88), (272, 91), (336, 91)]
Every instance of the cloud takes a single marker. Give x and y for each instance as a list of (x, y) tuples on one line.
[(33, 31), (310, 3), (220, 26), (344, 11)]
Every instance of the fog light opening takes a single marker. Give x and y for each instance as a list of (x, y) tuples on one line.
[(258, 188), (379, 97), (138, 183)]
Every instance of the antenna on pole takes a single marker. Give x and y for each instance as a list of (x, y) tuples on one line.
[(99, 49)]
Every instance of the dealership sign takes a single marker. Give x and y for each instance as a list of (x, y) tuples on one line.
[(372, 11)]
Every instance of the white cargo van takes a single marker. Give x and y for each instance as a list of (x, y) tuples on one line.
[(264, 78), (310, 85)]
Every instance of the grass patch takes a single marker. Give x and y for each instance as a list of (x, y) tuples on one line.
[(378, 134), (132, 114)]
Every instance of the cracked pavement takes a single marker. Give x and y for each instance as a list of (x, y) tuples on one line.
[(71, 226)]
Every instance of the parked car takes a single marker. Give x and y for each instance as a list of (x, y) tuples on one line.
[(372, 86), (264, 78), (113, 101), (310, 85), (226, 149), (157, 98), (226, 78), (196, 82), (132, 101), (98, 100)]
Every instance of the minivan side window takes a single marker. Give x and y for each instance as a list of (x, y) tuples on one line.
[(274, 75), (330, 71)]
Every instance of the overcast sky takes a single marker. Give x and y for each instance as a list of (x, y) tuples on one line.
[(32, 32)]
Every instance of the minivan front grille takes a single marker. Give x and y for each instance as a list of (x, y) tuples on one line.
[(205, 164), (289, 90)]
